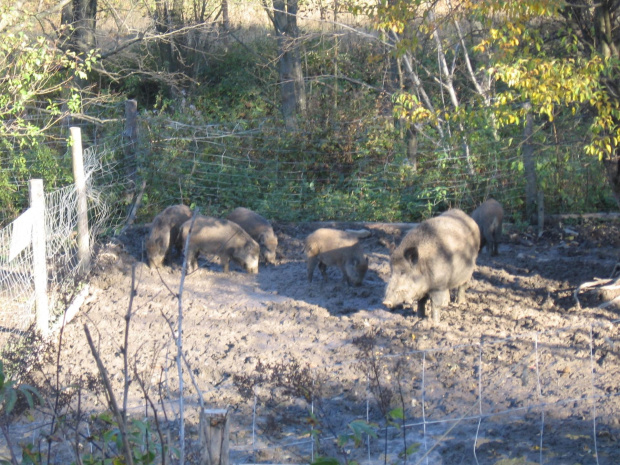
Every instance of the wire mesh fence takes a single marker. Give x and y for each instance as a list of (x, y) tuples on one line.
[(477, 403), (301, 176), (472, 403), (105, 187)]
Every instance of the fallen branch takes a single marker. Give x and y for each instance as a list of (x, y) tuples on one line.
[(610, 302), (610, 284)]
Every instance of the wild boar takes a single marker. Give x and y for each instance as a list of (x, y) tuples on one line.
[(259, 228), (164, 233), (489, 216), (332, 247), (433, 258), (223, 238)]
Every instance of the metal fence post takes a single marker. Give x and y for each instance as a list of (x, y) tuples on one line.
[(39, 266)]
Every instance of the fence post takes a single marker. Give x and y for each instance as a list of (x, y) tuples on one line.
[(133, 195), (214, 434), (131, 135), (82, 204), (39, 266)]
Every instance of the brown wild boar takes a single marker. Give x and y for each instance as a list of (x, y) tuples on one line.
[(433, 258), (223, 238), (259, 228), (164, 233), (489, 216), (332, 247)]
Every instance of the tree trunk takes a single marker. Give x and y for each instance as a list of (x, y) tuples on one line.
[(612, 168), (167, 19), (225, 18), (529, 166), (79, 22), (412, 148), (162, 26), (291, 76)]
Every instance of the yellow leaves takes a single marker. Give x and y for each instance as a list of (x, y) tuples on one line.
[(512, 119), (407, 107)]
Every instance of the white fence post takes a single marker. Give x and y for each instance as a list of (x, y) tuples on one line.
[(82, 205), (39, 267)]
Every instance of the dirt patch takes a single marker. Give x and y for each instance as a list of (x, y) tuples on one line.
[(516, 372)]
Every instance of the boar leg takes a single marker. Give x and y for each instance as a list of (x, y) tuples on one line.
[(422, 306), (192, 259), (439, 299), (345, 276), (323, 269), (312, 262), (460, 293), (225, 261)]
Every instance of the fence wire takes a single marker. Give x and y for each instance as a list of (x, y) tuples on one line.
[(105, 186), (292, 176), (516, 399)]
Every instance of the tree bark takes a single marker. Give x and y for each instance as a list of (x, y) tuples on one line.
[(529, 166), (612, 168), (292, 86), (167, 19), (412, 147), (79, 19)]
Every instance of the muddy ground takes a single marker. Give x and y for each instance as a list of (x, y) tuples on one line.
[(519, 373)]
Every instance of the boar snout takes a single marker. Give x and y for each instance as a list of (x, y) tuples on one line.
[(252, 267), (270, 257)]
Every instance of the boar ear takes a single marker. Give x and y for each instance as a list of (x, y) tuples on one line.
[(411, 254)]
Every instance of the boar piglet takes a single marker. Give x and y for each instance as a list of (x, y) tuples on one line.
[(489, 216), (259, 228), (223, 238), (433, 258), (332, 247), (164, 233)]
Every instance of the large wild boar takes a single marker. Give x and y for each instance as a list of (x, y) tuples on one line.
[(259, 228), (489, 216), (223, 238), (164, 233), (332, 247), (433, 258)]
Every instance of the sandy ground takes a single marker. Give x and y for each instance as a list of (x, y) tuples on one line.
[(517, 374)]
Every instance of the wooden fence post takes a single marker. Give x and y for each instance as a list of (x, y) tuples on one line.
[(82, 204), (133, 195), (130, 134), (214, 434), (39, 266)]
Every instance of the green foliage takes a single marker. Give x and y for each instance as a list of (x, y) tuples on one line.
[(235, 85), (37, 91), (144, 442), (10, 393)]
